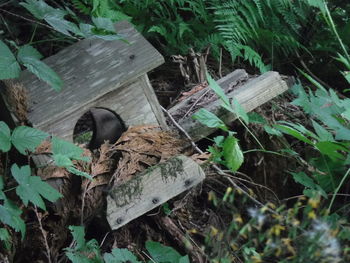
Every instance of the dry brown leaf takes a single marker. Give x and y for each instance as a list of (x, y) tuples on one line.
[(142, 147), (18, 99), (201, 158), (195, 89)]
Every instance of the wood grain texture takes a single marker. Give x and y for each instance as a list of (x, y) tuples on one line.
[(90, 69), (251, 95), (229, 80), (151, 189)]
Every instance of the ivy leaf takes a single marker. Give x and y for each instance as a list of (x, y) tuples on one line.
[(9, 67), (5, 137), (27, 138), (232, 153), (30, 58), (119, 255), (31, 188), (10, 215), (209, 119), (53, 16)]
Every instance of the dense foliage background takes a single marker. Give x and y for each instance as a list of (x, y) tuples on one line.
[(306, 38)]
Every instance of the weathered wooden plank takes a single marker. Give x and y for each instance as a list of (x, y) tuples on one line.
[(89, 69), (150, 189), (129, 101), (229, 80), (251, 95)]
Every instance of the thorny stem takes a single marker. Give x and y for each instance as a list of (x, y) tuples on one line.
[(44, 235)]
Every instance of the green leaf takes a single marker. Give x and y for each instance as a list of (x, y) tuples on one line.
[(160, 253), (209, 119), (331, 149), (272, 131), (53, 16), (78, 233), (10, 215), (75, 171), (62, 147), (62, 160), (104, 23), (30, 58), (5, 237), (232, 153), (304, 179), (120, 256), (31, 188), (256, 118), (5, 137), (9, 67), (239, 111), (27, 138), (322, 133), (218, 90), (293, 132), (184, 259)]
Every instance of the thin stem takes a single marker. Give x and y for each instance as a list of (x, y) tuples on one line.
[(331, 22), (44, 234), (338, 188), (252, 134)]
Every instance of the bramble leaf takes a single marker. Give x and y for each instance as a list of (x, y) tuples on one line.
[(232, 153), (161, 253), (209, 119), (27, 138), (9, 67), (119, 255), (10, 215), (31, 188), (30, 58), (5, 137)]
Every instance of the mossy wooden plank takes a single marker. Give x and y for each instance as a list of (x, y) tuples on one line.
[(90, 69), (151, 189), (251, 95)]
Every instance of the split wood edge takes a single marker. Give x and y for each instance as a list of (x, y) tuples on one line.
[(251, 95), (152, 188)]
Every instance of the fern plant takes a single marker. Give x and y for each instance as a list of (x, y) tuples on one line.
[(255, 27)]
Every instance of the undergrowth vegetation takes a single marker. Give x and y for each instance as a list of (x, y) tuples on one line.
[(302, 35)]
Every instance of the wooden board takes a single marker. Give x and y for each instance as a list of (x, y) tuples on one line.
[(90, 69), (151, 189), (251, 95)]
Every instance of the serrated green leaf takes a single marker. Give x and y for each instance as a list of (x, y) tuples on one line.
[(322, 133), (293, 132), (43, 72), (209, 119), (9, 67), (5, 237), (53, 16), (27, 138), (75, 171), (62, 160), (68, 149), (104, 23), (78, 233), (10, 215), (31, 188), (304, 179), (219, 140), (120, 256), (239, 111), (28, 51), (331, 149), (160, 253), (5, 137), (232, 153), (217, 89)]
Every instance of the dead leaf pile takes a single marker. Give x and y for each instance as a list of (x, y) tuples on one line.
[(17, 98), (142, 147)]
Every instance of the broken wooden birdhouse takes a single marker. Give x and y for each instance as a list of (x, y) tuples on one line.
[(97, 74)]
